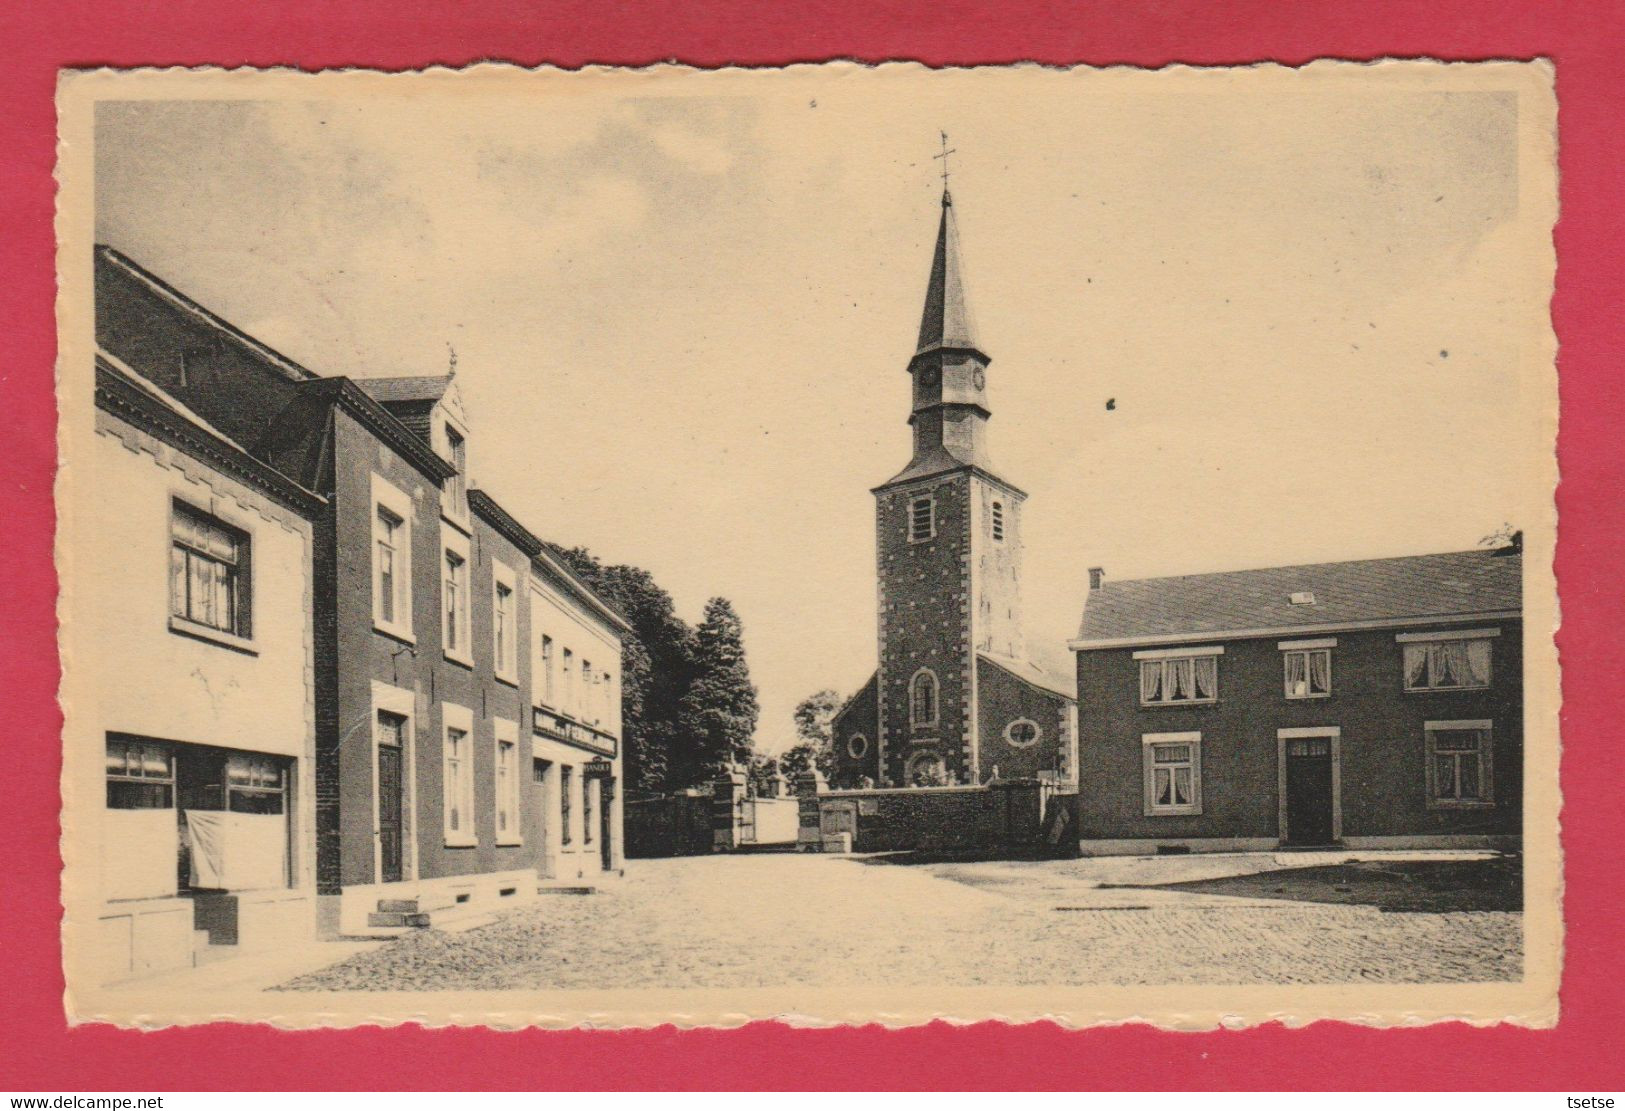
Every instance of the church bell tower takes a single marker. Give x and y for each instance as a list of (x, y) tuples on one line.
[(948, 546)]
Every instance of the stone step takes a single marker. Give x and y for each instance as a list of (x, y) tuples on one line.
[(577, 889), (394, 905), (412, 918)]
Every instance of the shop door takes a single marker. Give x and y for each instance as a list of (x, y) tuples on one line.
[(606, 807), (1309, 791), (540, 774)]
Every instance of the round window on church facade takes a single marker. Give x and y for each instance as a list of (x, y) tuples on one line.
[(1022, 732), (857, 746)]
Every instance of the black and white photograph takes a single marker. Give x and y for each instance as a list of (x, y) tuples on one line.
[(831, 544)]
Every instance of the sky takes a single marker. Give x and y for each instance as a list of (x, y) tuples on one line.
[(682, 309)]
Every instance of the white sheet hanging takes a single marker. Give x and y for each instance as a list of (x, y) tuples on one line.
[(237, 852)]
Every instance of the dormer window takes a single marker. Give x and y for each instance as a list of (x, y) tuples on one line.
[(998, 521), (1301, 598), (457, 449), (922, 519)]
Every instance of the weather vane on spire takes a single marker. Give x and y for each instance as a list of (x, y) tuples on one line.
[(946, 151)]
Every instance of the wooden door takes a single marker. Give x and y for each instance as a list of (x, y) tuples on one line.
[(1309, 791), (539, 776), (390, 782)]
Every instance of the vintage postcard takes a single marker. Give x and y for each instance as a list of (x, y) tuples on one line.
[(836, 544)]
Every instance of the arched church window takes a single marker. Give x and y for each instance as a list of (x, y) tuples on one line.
[(1022, 732), (998, 520), (857, 746), (923, 699)]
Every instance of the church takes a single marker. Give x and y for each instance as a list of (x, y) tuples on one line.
[(955, 699)]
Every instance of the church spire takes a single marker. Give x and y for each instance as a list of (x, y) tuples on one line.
[(946, 321), (949, 413)]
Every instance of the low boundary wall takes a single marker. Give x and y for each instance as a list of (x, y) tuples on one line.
[(1018, 817)]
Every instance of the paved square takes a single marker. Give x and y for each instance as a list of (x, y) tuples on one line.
[(762, 920)]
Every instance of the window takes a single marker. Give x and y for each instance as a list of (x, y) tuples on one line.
[(1173, 773), (922, 518), (589, 788), (1022, 732), (255, 784), (207, 571), (457, 449), (387, 532), (391, 560), (609, 714), (1447, 664), (455, 595), (140, 776), (507, 782), (568, 695), (589, 694), (998, 521), (1459, 764), (459, 776), (566, 785), (391, 729), (857, 746), (504, 624), (1178, 677), (922, 700), (1308, 672), (547, 670)]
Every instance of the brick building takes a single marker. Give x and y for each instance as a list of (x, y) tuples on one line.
[(1369, 704), (451, 769), (955, 696), (193, 758)]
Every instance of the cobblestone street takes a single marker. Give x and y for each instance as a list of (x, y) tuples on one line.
[(761, 920)]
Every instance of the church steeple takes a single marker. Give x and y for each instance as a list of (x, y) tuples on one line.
[(949, 412), (947, 321)]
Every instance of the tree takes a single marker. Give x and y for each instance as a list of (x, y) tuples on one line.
[(656, 667), (815, 730), (718, 712)]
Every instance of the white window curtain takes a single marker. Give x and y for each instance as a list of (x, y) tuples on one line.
[(1320, 672), (1297, 675), (1206, 669), (1179, 680), (1150, 680), (1416, 665)]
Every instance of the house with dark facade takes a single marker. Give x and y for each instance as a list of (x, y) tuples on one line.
[(191, 760), (956, 699), (466, 683), (1366, 704)]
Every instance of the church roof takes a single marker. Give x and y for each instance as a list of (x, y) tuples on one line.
[(946, 321), (1356, 592), (1064, 684)]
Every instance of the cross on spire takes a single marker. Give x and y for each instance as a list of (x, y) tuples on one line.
[(946, 151)]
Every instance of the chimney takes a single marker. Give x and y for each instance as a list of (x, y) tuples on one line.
[(1097, 575)]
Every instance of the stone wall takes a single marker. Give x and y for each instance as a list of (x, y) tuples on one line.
[(999, 819)]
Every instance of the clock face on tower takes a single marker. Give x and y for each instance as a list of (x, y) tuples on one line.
[(930, 376), (978, 379)]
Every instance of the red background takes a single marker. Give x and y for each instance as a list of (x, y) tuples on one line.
[(38, 1052)]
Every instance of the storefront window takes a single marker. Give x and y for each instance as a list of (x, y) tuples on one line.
[(140, 776), (254, 784)]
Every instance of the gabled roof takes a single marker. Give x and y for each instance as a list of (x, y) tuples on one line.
[(133, 398), (946, 321), (1355, 593), (427, 387)]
